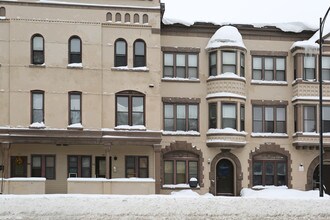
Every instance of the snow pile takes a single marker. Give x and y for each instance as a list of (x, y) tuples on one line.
[(224, 94), (279, 192), (225, 131), (37, 125), (75, 65), (226, 36), (76, 126), (129, 127), (227, 75), (187, 133)]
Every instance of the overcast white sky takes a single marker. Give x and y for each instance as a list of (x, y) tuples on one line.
[(248, 11)]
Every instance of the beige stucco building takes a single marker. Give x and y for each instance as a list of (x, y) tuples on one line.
[(102, 97)]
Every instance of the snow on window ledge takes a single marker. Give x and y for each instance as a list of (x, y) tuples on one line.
[(266, 82), (26, 179), (177, 79), (134, 69), (225, 94), (2, 17), (38, 125), (77, 126), (227, 75), (269, 135), (131, 128), (75, 65), (177, 186), (225, 131), (132, 180), (181, 133), (38, 65)]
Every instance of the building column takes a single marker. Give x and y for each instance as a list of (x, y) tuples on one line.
[(5, 159), (107, 160), (157, 148)]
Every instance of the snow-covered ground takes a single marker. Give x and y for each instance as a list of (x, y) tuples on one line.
[(269, 203)]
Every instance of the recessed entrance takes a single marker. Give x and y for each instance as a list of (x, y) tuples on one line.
[(326, 178), (225, 178)]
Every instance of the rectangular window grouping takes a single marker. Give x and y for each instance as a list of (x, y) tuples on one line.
[(180, 65), (269, 119), (269, 68)]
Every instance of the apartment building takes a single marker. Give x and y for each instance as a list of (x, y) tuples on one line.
[(102, 97)]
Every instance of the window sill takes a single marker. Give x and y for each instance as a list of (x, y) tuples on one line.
[(37, 65), (269, 135), (181, 133), (271, 83), (75, 66), (183, 80), (179, 186), (134, 69)]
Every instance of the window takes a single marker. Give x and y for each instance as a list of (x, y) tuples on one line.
[(269, 169), (228, 62), (109, 16), (136, 166), (180, 65), (74, 107), (38, 52), (309, 118), (242, 62), (43, 166), (326, 68), (118, 17), (120, 53), (100, 167), (213, 64), (136, 18), (18, 166), (2, 12), (139, 53), (145, 19), (180, 117), (74, 49), (326, 118), (130, 108), (79, 166), (242, 112), (212, 115), (309, 68), (37, 104), (127, 18), (269, 68), (180, 166), (269, 119), (228, 116)]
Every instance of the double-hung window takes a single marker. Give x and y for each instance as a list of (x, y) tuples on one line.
[(228, 62), (37, 104), (326, 68), (79, 166), (309, 118), (309, 67), (130, 108), (75, 49), (213, 64), (120, 53), (326, 118), (43, 166), (242, 63), (228, 116), (180, 117), (136, 166), (213, 115), (269, 119), (139, 53), (268, 68), (74, 107), (180, 65), (38, 52)]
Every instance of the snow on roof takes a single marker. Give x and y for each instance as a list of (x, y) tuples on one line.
[(226, 36), (288, 16)]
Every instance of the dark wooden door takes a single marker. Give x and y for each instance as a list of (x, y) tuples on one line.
[(326, 178), (18, 166), (225, 177), (100, 167)]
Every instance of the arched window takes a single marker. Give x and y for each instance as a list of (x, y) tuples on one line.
[(37, 49), (109, 16), (75, 49), (120, 53), (127, 18), (145, 19), (136, 18), (139, 53), (2, 12), (118, 17), (130, 108)]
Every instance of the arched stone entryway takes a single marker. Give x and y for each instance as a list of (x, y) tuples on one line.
[(223, 161), (326, 176)]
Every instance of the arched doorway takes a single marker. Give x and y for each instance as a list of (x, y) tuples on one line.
[(225, 178), (326, 179)]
